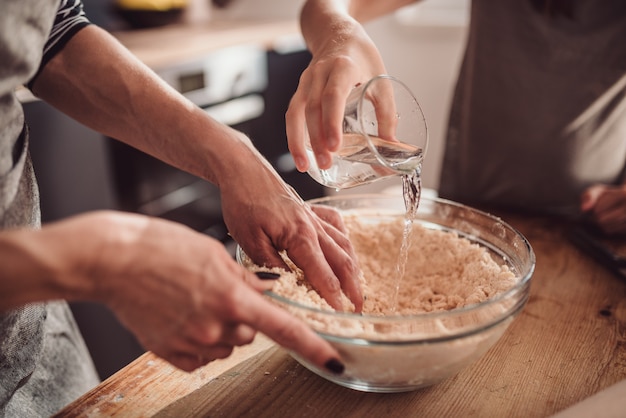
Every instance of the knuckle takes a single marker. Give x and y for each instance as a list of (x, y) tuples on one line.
[(331, 93), (333, 285), (210, 334), (313, 104), (352, 267), (287, 332), (247, 338), (222, 352), (343, 62)]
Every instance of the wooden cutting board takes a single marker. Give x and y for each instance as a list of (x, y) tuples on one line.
[(565, 348)]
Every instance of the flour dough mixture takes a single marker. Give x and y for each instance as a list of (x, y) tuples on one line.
[(443, 271)]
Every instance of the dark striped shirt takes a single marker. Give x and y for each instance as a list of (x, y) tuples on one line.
[(70, 18)]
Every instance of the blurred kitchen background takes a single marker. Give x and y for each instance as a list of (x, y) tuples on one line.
[(245, 85)]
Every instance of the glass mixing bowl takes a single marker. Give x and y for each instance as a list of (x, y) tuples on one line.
[(398, 353)]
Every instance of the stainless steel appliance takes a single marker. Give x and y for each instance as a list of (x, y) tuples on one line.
[(228, 84)]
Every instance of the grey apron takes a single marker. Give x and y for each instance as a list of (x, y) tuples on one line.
[(44, 363), (539, 111)]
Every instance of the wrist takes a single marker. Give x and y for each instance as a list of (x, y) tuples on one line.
[(37, 266)]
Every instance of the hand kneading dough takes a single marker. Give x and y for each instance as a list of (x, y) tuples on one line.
[(443, 271)]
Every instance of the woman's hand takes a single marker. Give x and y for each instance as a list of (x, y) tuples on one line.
[(179, 291), (606, 206), (343, 56), (266, 216)]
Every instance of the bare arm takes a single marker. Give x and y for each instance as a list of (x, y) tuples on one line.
[(113, 93), (98, 82), (179, 291), (365, 10)]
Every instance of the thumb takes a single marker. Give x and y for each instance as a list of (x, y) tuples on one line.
[(590, 196)]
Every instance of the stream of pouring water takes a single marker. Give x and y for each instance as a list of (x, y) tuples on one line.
[(411, 191)]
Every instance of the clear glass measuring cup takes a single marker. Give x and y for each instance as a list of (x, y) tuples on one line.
[(384, 134)]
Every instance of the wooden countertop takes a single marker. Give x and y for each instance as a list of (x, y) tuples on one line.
[(568, 344), (164, 46)]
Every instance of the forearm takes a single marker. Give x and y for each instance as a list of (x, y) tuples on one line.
[(40, 265), (323, 20), (99, 256), (98, 82)]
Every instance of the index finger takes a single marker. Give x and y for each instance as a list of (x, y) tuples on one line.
[(295, 128), (309, 257), (333, 104), (290, 332)]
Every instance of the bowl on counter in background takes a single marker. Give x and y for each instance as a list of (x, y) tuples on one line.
[(143, 14), (398, 352)]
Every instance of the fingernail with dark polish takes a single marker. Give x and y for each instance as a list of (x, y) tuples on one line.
[(335, 366), (266, 275)]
